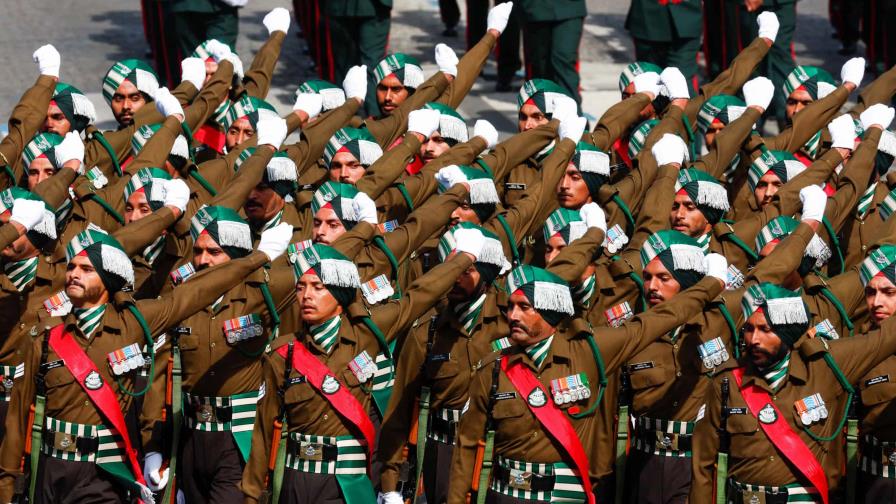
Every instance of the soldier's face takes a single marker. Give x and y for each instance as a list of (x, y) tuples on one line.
[(83, 284), (530, 117), (553, 247), (659, 284), (527, 326), (56, 121), (467, 286), (19, 250), (126, 101), (880, 294), (709, 138), (766, 188), (238, 132), (327, 226), (41, 169), (211, 66), (315, 301), (346, 168), (572, 191), (464, 213), (263, 204), (647, 112), (207, 253), (687, 218), (390, 93), (433, 147), (764, 347), (798, 100), (136, 207)]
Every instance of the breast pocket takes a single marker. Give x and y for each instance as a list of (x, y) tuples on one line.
[(648, 377), (299, 393), (743, 429), (877, 390), (58, 377), (443, 368)]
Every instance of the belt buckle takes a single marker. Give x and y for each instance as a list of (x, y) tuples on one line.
[(6, 384), (206, 413), (63, 441), (520, 480), (888, 455), (753, 497), (666, 441), (311, 451)]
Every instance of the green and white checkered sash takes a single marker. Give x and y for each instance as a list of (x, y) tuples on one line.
[(448, 415), (242, 418), (351, 456), (812, 145), (873, 461), (275, 220), (888, 206), (9, 374), (646, 438), (795, 492), (583, 292), (21, 273), (567, 486), (110, 456), (151, 253), (703, 241), (865, 201), (468, 313), (325, 334), (88, 319), (538, 352), (776, 374)]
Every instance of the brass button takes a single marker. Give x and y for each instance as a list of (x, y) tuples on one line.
[(675, 346), (534, 433), (678, 374), (213, 344), (48, 259), (326, 416)]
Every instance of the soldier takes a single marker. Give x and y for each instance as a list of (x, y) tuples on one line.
[(551, 36), (127, 86), (667, 34)]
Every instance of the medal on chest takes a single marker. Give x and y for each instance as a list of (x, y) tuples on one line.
[(811, 409), (570, 389), (126, 359), (767, 414), (388, 226), (58, 305), (713, 353), (377, 289), (243, 328), (735, 278), (618, 314), (825, 329), (616, 239), (363, 367), (181, 274)]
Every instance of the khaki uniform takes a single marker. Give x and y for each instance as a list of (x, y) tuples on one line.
[(25, 121)]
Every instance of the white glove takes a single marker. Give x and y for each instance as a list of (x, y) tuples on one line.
[(271, 131), (853, 71), (469, 241), (217, 49), (152, 462), (309, 103), (572, 128), (759, 91), (389, 498), (768, 25), (498, 16), (594, 216), (564, 108), (192, 70), (716, 266), (647, 82), (48, 60), (177, 194), (365, 208), (234, 60), (446, 59), (71, 147), (814, 201), (675, 83), (236, 3), (879, 114), (168, 104), (669, 149), (355, 83), (843, 132), (423, 121), (276, 20), (28, 213), (449, 175), (274, 241), (484, 129)]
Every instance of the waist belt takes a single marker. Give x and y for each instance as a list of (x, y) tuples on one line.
[(325, 454), (878, 457), (443, 425), (81, 442), (221, 414), (668, 438), (739, 493), (8, 374), (552, 482)]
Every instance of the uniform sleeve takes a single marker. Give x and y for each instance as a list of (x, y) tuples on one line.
[(518, 148), (246, 179), (468, 69), (185, 92), (786, 257), (255, 472), (95, 154), (856, 356), (705, 448), (728, 143), (381, 174), (787, 200), (8, 234), (616, 120), (317, 133), (12, 447), (210, 96), (138, 234), (470, 431), (809, 121), (880, 90), (257, 80), (26, 119), (152, 413), (654, 214), (157, 148), (54, 190), (571, 262), (853, 180), (388, 129)]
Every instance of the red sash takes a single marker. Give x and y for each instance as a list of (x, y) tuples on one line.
[(212, 137), (779, 432), (803, 158), (621, 149), (341, 399), (80, 366), (414, 165), (552, 419)]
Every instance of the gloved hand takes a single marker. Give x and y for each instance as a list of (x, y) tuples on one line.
[(271, 131), (484, 129), (647, 82), (853, 71), (572, 128), (234, 60), (758, 92), (446, 59), (498, 16), (168, 104), (716, 266), (879, 114), (152, 462), (814, 201), (355, 83), (669, 149), (28, 213), (177, 194), (768, 25), (217, 49), (274, 241), (192, 70), (71, 147), (449, 175), (564, 108), (365, 208), (594, 216), (423, 121), (470, 241), (675, 83), (48, 60), (389, 498), (309, 103), (276, 20), (843, 132)]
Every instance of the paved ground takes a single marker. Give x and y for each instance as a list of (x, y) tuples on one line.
[(90, 34)]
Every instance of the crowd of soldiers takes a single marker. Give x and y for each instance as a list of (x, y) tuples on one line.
[(664, 307)]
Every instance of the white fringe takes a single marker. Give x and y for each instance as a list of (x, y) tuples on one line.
[(332, 98), (594, 162), (554, 297), (413, 76), (887, 143), (47, 226), (234, 234), (483, 191), (712, 195), (339, 273), (734, 112), (818, 250), (156, 190), (180, 147), (146, 82), (577, 230), (825, 89), (687, 257), (787, 311), (115, 261), (454, 128), (348, 211), (82, 106), (492, 252), (281, 168)]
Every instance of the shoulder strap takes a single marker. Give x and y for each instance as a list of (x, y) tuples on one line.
[(99, 137), (514, 244)]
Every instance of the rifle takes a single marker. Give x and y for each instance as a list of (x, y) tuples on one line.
[(724, 446), (270, 494)]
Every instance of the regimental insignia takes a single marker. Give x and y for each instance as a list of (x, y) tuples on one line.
[(767, 414), (330, 385), (570, 389), (126, 359), (242, 328), (537, 398), (93, 380), (363, 367), (713, 353), (618, 314), (811, 409)]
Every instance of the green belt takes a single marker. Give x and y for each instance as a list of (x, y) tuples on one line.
[(343, 457), (234, 414), (108, 455), (772, 494), (567, 487)]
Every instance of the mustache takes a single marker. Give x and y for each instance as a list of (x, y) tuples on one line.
[(655, 295), (516, 324), (756, 349)]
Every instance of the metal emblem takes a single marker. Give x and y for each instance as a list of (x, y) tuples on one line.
[(667, 442), (767, 414), (206, 411), (330, 385), (66, 441), (93, 381), (537, 398), (7, 384)]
